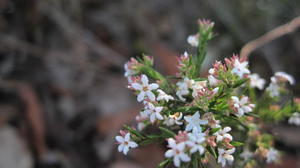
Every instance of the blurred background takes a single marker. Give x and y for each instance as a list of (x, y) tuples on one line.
[(63, 96)]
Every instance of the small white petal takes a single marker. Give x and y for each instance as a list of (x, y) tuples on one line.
[(169, 153), (120, 147), (159, 116), (125, 150), (226, 129), (145, 80), (137, 86), (150, 95), (184, 157), (176, 161), (153, 86), (141, 96), (152, 117), (119, 139), (132, 144), (181, 146), (127, 137)]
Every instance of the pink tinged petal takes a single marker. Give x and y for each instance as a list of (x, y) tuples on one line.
[(184, 157), (119, 139), (145, 80), (176, 161), (141, 96), (120, 147), (169, 153), (132, 144), (150, 95), (127, 137), (125, 150), (153, 86), (137, 86)]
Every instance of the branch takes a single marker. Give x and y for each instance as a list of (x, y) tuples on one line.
[(270, 36)]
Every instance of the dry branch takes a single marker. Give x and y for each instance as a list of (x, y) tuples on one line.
[(270, 36)]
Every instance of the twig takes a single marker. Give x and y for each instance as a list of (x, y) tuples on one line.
[(76, 33), (269, 36)]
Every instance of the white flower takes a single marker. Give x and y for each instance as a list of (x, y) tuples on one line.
[(163, 96), (145, 89), (141, 126), (273, 89), (194, 122), (246, 154), (198, 86), (193, 40), (183, 88), (222, 134), (177, 152), (295, 119), (128, 71), (272, 155), (242, 106), (173, 119), (285, 77), (212, 80), (225, 156), (196, 139), (256, 81), (125, 143), (153, 112), (140, 119), (240, 68)]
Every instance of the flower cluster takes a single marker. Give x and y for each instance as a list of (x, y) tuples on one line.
[(214, 115)]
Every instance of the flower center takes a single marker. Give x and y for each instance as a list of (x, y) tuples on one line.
[(145, 88)]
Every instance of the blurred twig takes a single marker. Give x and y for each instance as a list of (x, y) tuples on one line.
[(270, 36), (76, 33)]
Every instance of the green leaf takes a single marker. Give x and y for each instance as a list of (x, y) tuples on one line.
[(135, 132), (214, 130), (240, 82), (166, 132), (164, 163), (212, 151), (150, 141), (236, 143), (154, 136)]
